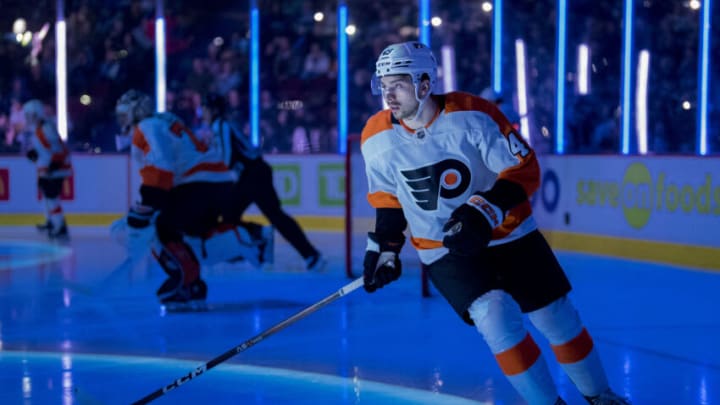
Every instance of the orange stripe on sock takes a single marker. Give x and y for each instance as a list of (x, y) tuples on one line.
[(518, 358), (574, 350)]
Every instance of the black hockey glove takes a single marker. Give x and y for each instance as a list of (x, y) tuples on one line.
[(140, 216), (470, 226), (382, 264), (32, 155)]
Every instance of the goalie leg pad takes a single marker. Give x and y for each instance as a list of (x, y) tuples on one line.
[(135, 240), (179, 263), (227, 244)]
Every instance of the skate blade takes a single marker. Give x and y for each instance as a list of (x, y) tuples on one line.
[(190, 306)]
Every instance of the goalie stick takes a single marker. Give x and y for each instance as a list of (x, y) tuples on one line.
[(350, 287)]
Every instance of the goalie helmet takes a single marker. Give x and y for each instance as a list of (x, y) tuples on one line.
[(34, 111), (407, 58), (131, 108)]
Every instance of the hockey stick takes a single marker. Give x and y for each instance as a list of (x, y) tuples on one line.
[(350, 287)]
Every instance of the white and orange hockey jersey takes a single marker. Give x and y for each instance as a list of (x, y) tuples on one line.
[(430, 172), (50, 149), (170, 154)]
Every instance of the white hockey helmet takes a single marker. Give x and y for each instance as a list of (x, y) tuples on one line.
[(132, 107), (34, 110), (406, 58)]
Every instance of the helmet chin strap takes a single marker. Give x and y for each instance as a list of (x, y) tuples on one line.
[(421, 101)]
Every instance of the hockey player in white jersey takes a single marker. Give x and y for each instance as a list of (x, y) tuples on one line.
[(52, 159), (453, 170), (184, 193)]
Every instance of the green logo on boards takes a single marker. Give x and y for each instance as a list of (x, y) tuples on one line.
[(331, 178), (639, 195), (288, 183)]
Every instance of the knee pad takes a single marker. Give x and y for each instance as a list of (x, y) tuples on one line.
[(498, 319), (558, 321)]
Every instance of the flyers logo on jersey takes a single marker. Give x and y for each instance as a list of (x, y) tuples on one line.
[(446, 179)]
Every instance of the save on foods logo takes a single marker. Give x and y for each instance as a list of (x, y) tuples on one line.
[(640, 194)]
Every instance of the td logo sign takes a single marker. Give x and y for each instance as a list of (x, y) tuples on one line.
[(323, 186), (639, 195), (288, 183), (331, 178)]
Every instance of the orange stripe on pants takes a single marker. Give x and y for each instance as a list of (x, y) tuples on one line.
[(574, 350), (519, 358)]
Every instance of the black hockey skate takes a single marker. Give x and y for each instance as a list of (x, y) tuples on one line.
[(187, 299), (607, 398), (315, 263), (44, 227), (59, 234)]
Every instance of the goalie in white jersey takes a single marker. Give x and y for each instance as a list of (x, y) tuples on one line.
[(184, 192), (452, 169)]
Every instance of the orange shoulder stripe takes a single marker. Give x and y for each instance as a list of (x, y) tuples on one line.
[(376, 124), (41, 136), (156, 177), (459, 101), (381, 199), (138, 139)]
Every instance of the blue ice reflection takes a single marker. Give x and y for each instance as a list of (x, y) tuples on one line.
[(82, 379)]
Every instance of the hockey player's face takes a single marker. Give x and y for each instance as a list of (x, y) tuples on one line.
[(124, 122), (399, 94)]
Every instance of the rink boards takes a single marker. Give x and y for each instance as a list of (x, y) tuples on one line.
[(662, 209)]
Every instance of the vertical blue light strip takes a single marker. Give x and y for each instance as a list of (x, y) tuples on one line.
[(703, 67), (628, 20), (560, 78), (160, 58), (424, 21), (254, 74), (61, 71), (342, 83), (497, 47)]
